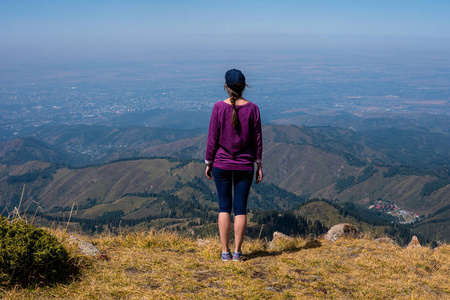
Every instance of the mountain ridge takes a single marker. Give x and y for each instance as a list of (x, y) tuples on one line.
[(307, 162)]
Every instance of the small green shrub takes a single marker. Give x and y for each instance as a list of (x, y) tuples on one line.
[(30, 255)]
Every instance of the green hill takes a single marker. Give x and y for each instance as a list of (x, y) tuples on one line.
[(436, 226), (377, 224), (97, 143), (21, 150)]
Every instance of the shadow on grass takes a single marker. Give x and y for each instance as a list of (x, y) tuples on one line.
[(263, 253)]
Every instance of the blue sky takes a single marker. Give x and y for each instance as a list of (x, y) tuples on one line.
[(77, 29)]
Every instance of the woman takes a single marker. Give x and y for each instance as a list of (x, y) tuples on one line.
[(234, 145)]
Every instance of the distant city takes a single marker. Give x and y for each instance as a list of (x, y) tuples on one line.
[(32, 96)]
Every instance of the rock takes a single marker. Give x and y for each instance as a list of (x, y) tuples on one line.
[(414, 243), (203, 243), (281, 241), (340, 230), (279, 235), (88, 249), (385, 240)]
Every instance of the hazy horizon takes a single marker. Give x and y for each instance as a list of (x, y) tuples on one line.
[(83, 31)]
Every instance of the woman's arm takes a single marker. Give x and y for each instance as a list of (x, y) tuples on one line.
[(257, 137), (258, 146), (212, 143)]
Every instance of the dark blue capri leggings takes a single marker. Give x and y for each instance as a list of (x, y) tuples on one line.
[(224, 184)]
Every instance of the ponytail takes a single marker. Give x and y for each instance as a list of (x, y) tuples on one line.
[(234, 95)]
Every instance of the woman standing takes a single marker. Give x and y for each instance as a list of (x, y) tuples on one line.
[(234, 145)]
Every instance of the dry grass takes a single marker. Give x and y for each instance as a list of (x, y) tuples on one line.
[(163, 265)]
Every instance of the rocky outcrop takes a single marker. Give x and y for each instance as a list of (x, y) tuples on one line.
[(343, 230), (414, 243)]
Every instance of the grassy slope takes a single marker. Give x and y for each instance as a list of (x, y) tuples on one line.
[(22, 150), (6, 170), (167, 266), (330, 216), (109, 182), (185, 148), (8, 191), (399, 189), (100, 140), (324, 213), (303, 169), (437, 227)]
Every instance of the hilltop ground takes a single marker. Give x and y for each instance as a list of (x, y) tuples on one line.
[(158, 265)]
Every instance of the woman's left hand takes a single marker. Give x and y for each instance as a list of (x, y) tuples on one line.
[(208, 172), (259, 173)]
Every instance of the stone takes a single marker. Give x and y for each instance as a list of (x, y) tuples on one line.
[(88, 249), (343, 230), (414, 243), (280, 241), (203, 243), (279, 235)]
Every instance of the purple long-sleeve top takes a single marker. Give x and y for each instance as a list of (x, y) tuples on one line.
[(231, 148)]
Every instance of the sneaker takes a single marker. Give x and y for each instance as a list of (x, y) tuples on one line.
[(237, 256), (226, 256)]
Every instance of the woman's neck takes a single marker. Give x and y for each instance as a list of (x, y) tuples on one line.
[(239, 101)]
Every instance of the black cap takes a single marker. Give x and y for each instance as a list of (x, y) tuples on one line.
[(234, 76)]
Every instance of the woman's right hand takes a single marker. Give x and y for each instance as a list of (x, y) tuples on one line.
[(208, 172)]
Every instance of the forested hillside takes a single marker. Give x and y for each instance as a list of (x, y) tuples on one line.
[(168, 188)]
